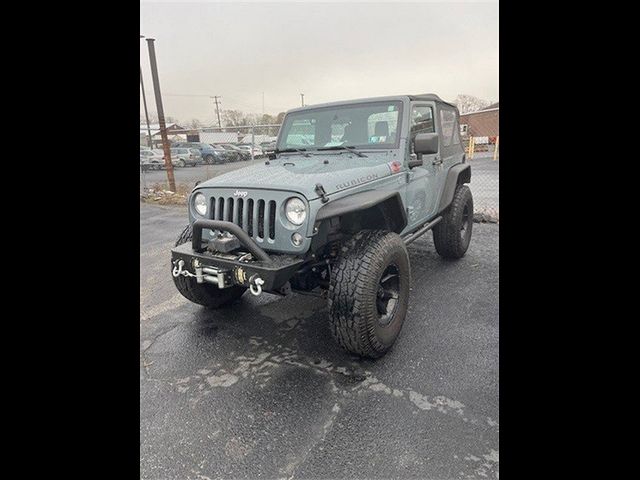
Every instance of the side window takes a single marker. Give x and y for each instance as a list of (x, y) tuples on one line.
[(421, 121), (450, 129), (456, 131)]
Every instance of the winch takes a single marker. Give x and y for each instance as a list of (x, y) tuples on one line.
[(213, 275)]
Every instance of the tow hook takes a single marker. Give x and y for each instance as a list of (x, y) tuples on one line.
[(255, 285), (177, 270)]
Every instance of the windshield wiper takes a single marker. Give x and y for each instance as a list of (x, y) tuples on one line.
[(291, 150), (344, 147)]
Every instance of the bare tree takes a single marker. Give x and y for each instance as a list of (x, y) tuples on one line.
[(233, 118), (469, 103), (194, 123)]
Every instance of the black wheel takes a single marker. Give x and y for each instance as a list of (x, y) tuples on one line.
[(369, 292), (453, 234), (209, 159), (207, 295)]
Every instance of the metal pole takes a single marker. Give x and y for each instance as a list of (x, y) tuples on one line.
[(163, 126), (253, 141), (144, 179), (495, 148), (146, 112), (302, 98)]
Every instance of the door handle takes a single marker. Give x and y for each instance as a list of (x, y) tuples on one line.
[(437, 161)]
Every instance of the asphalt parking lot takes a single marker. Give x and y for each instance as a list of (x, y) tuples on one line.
[(261, 390)]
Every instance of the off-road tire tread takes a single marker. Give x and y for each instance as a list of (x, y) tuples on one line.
[(351, 277), (209, 296), (446, 234)]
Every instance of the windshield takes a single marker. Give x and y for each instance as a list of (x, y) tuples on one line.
[(364, 125)]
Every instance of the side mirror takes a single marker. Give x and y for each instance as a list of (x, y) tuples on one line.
[(426, 143)]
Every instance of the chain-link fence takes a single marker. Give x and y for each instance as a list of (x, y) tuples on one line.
[(483, 154), (238, 146)]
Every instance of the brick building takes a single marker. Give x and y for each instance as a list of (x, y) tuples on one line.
[(483, 123)]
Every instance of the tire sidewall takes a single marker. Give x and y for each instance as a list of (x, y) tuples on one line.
[(457, 220), (387, 334)]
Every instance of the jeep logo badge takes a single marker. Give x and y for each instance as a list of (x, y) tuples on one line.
[(238, 193)]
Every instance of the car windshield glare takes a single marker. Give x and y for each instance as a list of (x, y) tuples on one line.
[(360, 125)]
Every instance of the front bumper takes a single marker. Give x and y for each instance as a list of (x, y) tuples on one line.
[(242, 267)]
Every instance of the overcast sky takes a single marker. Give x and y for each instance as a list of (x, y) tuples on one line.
[(327, 50)]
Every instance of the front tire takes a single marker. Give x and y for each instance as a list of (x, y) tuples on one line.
[(452, 235), (369, 292), (207, 295)]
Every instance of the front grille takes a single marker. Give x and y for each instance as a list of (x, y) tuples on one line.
[(256, 217)]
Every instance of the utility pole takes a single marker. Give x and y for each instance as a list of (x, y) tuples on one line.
[(163, 126), (263, 104), (302, 98), (146, 112), (215, 98)]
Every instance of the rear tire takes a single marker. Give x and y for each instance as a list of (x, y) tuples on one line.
[(453, 234), (207, 295), (209, 160), (369, 292)]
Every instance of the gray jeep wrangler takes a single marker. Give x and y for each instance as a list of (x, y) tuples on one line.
[(330, 213)]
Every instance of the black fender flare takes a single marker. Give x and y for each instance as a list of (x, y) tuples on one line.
[(359, 202), (457, 175)]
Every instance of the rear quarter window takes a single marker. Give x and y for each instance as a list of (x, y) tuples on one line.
[(450, 128)]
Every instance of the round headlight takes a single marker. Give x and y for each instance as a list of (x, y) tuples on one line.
[(296, 211), (200, 204)]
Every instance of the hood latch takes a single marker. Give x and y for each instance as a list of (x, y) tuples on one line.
[(321, 193)]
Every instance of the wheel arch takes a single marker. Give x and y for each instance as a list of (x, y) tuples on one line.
[(457, 175), (371, 209)]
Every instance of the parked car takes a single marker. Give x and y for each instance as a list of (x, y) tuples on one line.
[(181, 157), (222, 155), (257, 151), (207, 152), (268, 147), (151, 159), (240, 153)]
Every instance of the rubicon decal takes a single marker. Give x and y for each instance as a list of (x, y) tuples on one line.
[(357, 181)]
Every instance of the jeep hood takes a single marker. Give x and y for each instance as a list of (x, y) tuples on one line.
[(296, 173)]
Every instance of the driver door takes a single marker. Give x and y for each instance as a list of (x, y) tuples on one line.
[(422, 179)]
